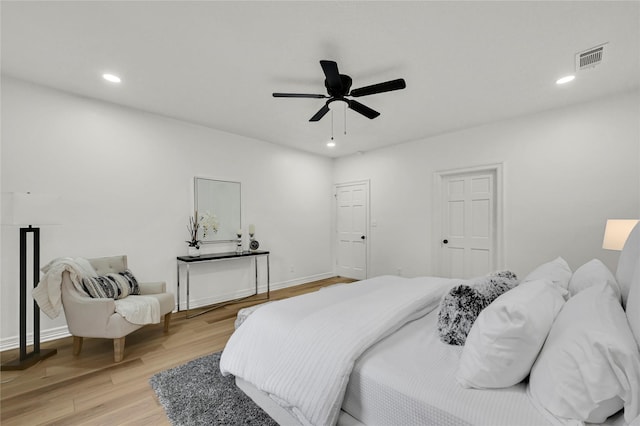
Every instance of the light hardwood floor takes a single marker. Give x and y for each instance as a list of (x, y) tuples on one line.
[(91, 389)]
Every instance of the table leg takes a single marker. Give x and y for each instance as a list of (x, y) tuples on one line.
[(255, 268), (187, 289), (178, 284)]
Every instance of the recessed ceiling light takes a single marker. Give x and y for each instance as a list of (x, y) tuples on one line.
[(565, 79), (112, 78)]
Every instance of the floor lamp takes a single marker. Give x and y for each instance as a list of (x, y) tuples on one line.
[(28, 209)]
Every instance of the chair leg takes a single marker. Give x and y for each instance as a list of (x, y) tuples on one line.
[(77, 345), (118, 349), (167, 320)]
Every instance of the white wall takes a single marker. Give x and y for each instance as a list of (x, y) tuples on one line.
[(565, 172), (125, 177), (126, 181)]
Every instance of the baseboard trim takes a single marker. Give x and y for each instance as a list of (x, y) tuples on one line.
[(299, 281), (56, 333)]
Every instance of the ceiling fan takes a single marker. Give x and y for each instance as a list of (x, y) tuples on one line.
[(338, 87)]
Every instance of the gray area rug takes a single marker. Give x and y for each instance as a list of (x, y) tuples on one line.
[(196, 393)]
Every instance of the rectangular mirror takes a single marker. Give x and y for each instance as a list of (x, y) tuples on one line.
[(218, 203)]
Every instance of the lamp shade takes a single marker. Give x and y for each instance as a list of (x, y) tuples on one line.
[(616, 233), (26, 208)]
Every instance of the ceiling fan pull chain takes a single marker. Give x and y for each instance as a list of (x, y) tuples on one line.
[(345, 119), (331, 124)]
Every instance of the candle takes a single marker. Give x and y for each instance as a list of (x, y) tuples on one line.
[(252, 229)]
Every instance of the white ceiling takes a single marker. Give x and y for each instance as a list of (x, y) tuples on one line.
[(217, 63)]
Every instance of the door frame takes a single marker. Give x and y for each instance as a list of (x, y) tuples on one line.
[(334, 234), (436, 221)]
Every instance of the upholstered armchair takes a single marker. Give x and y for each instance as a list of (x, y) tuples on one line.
[(97, 317)]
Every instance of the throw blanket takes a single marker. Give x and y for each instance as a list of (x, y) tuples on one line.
[(139, 309), (301, 350), (48, 293)]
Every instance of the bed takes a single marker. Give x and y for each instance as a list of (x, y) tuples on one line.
[(371, 353)]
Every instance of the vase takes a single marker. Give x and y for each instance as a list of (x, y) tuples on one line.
[(194, 251)]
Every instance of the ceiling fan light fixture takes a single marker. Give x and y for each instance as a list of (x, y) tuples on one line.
[(337, 104)]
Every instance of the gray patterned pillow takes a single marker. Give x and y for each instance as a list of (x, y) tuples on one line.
[(111, 286), (460, 307)]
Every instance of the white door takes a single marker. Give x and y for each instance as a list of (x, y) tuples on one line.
[(352, 212), (468, 233)]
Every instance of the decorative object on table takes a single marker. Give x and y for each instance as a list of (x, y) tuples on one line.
[(198, 227), (196, 393), (253, 243), (193, 227), (239, 242), (29, 209)]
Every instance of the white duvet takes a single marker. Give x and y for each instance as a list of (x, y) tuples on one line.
[(301, 350)]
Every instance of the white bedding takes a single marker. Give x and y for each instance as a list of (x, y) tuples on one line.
[(408, 379), (302, 360)]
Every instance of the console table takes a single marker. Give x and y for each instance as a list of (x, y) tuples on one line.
[(218, 257)]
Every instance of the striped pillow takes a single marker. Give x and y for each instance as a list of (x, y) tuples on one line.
[(111, 286)]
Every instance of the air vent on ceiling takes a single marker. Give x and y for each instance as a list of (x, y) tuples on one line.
[(590, 57)]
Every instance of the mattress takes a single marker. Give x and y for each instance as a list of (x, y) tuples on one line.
[(408, 379)]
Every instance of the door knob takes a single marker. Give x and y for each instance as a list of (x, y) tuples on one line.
[(363, 237), (445, 241)]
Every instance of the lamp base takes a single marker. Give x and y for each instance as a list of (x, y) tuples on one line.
[(30, 360)]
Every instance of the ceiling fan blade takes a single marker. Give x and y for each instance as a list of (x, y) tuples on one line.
[(321, 113), (387, 86), (298, 95), (330, 69), (362, 109)]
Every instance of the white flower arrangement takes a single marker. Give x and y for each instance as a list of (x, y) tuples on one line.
[(208, 222)]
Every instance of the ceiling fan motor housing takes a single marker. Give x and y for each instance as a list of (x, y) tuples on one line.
[(342, 90)]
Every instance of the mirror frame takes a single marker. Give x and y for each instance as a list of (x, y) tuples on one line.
[(228, 195)]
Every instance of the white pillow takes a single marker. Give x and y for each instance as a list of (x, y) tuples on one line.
[(628, 261), (557, 271), (592, 273), (633, 306), (508, 334), (589, 367)]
